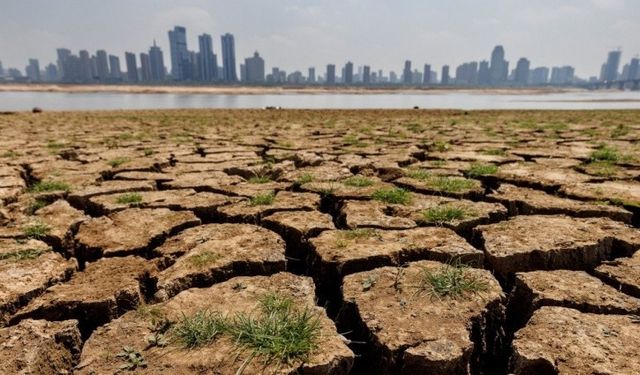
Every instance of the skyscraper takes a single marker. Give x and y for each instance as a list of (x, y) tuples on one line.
[(102, 65), (522, 72), (86, 71), (229, 58), (254, 68), (156, 60), (539, 76), (445, 75), (312, 75), (426, 74), (145, 68), (33, 70), (612, 66), (348, 73), (114, 67), (406, 73), (50, 73), (634, 69), (132, 67), (331, 75), (179, 53), (562, 75), (499, 69), (366, 75), (208, 66), (63, 54), (484, 74)]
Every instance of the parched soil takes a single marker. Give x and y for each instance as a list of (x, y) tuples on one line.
[(386, 241)]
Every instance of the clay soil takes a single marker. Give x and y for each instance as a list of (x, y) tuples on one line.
[(414, 242)]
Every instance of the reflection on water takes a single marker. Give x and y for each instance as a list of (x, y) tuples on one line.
[(11, 101)]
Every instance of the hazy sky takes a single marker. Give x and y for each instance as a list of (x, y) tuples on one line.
[(296, 34)]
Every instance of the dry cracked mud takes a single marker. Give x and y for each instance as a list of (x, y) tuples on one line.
[(320, 242)]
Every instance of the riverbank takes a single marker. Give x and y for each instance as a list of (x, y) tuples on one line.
[(270, 90)]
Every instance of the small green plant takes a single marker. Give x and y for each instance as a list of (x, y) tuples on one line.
[(157, 339), (440, 146), (129, 198), (352, 140), (369, 282), (357, 181), (260, 179), (449, 280), (203, 259), (353, 234), (304, 179), (481, 169), (46, 186), (263, 199), (444, 214), (133, 359), (605, 153), (199, 329), (35, 205), (620, 131), (115, 163), (392, 196), (451, 184), (36, 230), (495, 151), (418, 174), (19, 255)]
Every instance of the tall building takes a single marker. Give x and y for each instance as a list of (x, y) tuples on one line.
[(467, 73), (114, 67), (634, 69), (348, 73), (254, 68), (499, 68), (62, 54), (179, 53), (50, 73), (156, 60), (312, 75), (331, 75), (522, 72), (484, 73), (229, 58), (86, 69), (208, 66), (102, 65), (132, 66), (445, 75), (145, 68), (1, 70), (406, 73), (612, 66), (539, 76), (366, 75), (562, 75), (426, 74), (33, 70)]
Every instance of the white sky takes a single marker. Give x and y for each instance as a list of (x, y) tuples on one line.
[(296, 34)]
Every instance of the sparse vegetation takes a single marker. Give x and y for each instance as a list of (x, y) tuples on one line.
[(392, 196), (115, 163), (132, 358), (304, 179), (605, 153), (19, 255), (35, 205), (357, 181), (199, 329), (203, 259), (129, 198), (481, 169), (451, 184), (263, 199), (495, 151), (48, 185), (451, 280), (260, 179), (445, 213), (36, 230)]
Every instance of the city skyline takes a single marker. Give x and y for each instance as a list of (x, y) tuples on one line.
[(296, 34)]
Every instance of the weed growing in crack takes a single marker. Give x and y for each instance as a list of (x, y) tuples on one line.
[(46, 186), (392, 196), (263, 199), (129, 198), (449, 280), (36, 230), (35, 205), (481, 169)]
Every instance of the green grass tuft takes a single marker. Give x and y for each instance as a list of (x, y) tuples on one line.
[(36, 230), (392, 196), (203, 259), (444, 214), (480, 169), (419, 174), (129, 198), (260, 179), (26, 254), (263, 199), (450, 280), (199, 329), (304, 179), (495, 151), (605, 154), (115, 163), (35, 205), (357, 181), (45, 186), (451, 184)]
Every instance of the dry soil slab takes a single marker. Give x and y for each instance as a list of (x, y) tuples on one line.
[(249, 211), (203, 204), (209, 181), (562, 341), (104, 290), (80, 197), (129, 232), (27, 268), (623, 273), (40, 347), (539, 242), (342, 190), (573, 289), (414, 332), (62, 222), (540, 176), (337, 253), (208, 254), (238, 295), (620, 192), (527, 201)]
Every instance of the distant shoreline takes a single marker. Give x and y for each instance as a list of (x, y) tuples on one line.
[(266, 90)]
